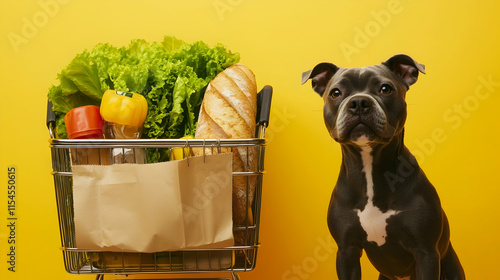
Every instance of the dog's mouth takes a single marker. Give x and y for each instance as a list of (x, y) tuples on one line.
[(356, 129), (360, 129)]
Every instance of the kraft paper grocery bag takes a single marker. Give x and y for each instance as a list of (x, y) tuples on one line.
[(184, 204)]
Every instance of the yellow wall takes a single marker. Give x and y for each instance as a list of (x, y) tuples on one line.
[(453, 122)]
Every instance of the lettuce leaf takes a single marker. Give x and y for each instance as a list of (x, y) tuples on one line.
[(172, 75)]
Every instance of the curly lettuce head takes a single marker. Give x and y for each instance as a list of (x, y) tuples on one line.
[(172, 76)]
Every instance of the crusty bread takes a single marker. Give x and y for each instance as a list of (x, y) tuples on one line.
[(229, 106), (228, 111)]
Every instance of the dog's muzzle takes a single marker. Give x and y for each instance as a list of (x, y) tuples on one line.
[(360, 115)]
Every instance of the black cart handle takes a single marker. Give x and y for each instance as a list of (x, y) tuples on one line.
[(51, 119), (264, 98)]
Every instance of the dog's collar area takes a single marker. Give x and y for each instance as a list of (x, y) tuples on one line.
[(363, 142)]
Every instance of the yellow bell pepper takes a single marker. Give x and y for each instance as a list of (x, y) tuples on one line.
[(124, 108), (180, 153)]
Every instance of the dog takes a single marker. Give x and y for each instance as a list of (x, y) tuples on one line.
[(379, 204)]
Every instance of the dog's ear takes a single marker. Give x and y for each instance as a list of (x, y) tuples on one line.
[(405, 67), (320, 75)]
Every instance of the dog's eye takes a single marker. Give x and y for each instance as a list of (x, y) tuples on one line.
[(335, 93), (385, 89)]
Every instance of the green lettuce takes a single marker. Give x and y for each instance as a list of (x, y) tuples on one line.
[(172, 75)]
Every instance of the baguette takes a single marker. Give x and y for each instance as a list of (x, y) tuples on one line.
[(228, 111)]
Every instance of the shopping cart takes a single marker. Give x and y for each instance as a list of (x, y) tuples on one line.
[(239, 258)]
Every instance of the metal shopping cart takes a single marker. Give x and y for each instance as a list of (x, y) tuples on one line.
[(239, 258)]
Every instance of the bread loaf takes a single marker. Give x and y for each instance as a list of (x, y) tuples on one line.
[(228, 111)]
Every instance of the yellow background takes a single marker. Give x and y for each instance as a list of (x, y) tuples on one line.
[(454, 131)]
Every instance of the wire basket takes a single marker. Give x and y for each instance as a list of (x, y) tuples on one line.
[(239, 258)]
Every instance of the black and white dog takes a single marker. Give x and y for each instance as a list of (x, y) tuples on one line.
[(396, 218)]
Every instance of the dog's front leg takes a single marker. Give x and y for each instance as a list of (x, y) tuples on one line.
[(348, 262), (427, 265)]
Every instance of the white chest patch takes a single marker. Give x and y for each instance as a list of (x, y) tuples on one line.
[(373, 221)]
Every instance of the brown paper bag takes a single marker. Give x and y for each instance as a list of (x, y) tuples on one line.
[(184, 204)]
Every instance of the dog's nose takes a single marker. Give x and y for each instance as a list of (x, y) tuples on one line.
[(360, 105)]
